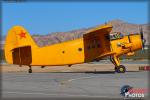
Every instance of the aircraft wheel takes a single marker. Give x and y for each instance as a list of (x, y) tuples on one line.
[(30, 70), (120, 69), (42, 66)]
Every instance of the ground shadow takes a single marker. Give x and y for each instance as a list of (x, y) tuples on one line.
[(100, 72), (93, 72)]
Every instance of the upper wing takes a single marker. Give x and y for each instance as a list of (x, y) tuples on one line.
[(101, 30), (97, 42)]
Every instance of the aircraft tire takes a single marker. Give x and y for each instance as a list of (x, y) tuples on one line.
[(30, 71), (120, 69)]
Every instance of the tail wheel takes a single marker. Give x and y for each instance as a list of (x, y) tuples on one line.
[(120, 69), (30, 71)]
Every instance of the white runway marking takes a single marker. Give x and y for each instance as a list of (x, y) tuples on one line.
[(82, 78), (73, 79)]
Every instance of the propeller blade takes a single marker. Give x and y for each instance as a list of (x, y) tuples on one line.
[(141, 32), (142, 37)]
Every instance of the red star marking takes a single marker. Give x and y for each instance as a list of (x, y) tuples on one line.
[(22, 35)]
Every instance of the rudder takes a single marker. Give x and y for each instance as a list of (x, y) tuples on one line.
[(17, 37)]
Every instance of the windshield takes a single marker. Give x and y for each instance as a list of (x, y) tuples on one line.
[(116, 35)]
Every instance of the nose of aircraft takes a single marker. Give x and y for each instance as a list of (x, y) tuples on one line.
[(137, 42)]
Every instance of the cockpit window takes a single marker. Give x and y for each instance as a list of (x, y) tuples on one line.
[(116, 35)]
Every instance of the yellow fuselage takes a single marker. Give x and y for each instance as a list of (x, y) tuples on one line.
[(73, 52), (70, 52), (21, 49)]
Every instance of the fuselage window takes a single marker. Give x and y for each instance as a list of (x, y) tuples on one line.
[(63, 51), (80, 49), (107, 37)]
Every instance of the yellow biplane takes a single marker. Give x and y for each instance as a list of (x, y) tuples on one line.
[(21, 49)]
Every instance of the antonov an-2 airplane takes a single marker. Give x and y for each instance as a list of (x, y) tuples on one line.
[(97, 43)]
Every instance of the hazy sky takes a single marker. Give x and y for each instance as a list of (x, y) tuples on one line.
[(45, 17)]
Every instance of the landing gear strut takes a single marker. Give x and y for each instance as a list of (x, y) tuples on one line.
[(30, 69), (118, 68)]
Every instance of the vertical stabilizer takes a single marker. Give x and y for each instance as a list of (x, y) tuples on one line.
[(17, 37)]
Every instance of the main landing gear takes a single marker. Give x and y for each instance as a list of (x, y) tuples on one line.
[(30, 69), (118, 68)]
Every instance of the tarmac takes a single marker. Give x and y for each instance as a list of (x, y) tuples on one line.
[(47, 85), (71, 83)]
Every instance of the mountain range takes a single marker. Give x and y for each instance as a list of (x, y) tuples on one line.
[(118, 26)]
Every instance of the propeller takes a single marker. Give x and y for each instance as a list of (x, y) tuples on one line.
[(142, 37)]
